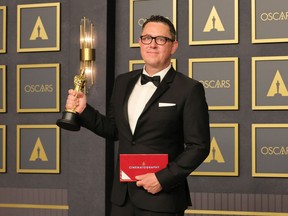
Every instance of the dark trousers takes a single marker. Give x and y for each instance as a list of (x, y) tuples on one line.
[(128, 209)]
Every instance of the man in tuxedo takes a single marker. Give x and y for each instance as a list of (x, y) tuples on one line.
[(155, 110)]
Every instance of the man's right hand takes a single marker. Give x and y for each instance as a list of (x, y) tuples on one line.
[(76, 101)]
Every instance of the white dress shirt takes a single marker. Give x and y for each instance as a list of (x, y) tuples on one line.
[(140, 96)]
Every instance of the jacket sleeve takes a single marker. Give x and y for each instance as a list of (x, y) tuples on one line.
[(101, 125), (104, 126)]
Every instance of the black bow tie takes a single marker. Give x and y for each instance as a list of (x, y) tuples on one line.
[(145, 79)]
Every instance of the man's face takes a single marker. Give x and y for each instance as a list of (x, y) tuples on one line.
[(157, 57)]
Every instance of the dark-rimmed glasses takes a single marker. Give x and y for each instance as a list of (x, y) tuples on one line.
[(160, 40)]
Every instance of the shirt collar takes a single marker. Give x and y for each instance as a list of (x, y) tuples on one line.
[(161, 73)]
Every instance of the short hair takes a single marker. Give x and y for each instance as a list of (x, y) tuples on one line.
[(164, 20)]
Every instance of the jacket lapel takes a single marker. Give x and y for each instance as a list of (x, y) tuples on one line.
[(164, 85), (130, 86), (161, 89)]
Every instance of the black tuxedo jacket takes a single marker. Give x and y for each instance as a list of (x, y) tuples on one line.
[(181, 131)]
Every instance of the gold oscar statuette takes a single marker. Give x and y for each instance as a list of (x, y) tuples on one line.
[(70, 118)]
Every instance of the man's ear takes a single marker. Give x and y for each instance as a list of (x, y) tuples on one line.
[(174, 47)]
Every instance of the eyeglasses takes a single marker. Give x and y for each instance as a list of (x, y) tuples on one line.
[(160, 40)]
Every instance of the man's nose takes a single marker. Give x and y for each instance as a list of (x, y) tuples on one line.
[(153, 42)]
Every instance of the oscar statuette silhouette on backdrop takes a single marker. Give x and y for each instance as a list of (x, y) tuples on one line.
[(69, 120)]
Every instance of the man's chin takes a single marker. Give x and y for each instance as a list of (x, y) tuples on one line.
[(152, 64)]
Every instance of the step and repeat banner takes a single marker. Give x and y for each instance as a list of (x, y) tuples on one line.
[(38, 87), (38, 91)]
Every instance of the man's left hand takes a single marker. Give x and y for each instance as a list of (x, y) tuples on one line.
[(149, 182)]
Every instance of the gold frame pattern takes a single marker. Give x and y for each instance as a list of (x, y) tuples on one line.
[(3, 168), (3, 109), (3, 50), (133, 62), (253, 35), (131, 40), (236, 153), (240, 213), (254, 171), (34, 206), (57, 146), (254, 99), (235, 106), (57, 86), (205, 42), (40, 5)]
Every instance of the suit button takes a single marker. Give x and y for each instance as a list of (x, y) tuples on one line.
[(133, 143)]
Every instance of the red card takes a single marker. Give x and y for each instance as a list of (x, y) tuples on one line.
[(132, 165)]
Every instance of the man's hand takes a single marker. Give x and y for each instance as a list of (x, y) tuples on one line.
[(149, 182), (76, 101)]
